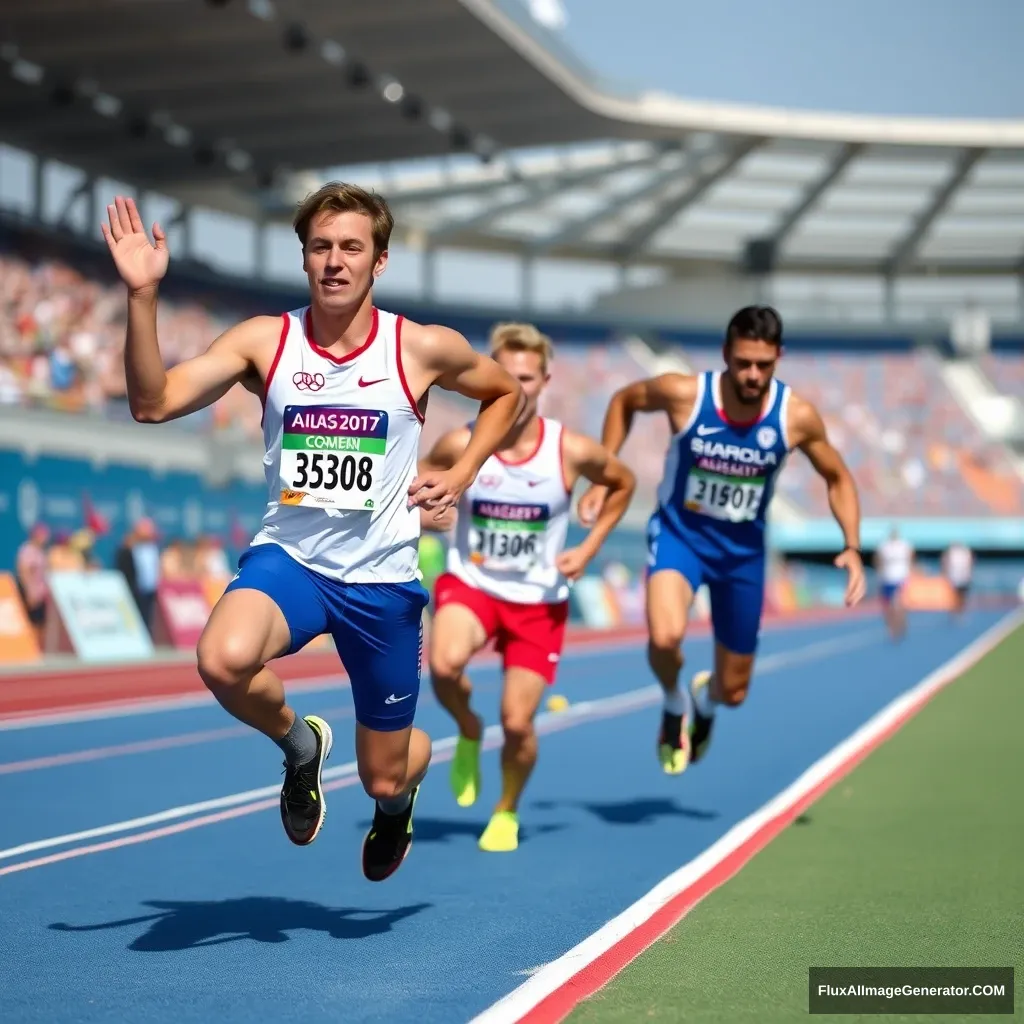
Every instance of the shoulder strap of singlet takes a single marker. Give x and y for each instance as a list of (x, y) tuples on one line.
[(704, 385)]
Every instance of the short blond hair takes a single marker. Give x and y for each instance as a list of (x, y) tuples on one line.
[(340, 197), (513, 337)]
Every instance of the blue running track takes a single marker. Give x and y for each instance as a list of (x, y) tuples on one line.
[(207, 913)]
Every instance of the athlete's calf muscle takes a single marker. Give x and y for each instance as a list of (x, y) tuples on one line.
[(732, 675)]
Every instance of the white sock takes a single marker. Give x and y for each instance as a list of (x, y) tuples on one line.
[(676, 702), (397, 805), (702, 699)]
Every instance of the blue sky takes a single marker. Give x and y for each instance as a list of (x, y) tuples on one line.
[(942, 58)]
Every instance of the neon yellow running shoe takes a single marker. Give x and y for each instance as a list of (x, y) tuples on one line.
[(465, 772), (674, 759), (673, 744), (501, 834)]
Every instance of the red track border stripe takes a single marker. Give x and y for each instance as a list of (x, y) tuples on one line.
[(521, 1007)]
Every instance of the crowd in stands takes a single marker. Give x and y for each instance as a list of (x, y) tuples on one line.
[(911, 447), (144, 558), (62, 344)]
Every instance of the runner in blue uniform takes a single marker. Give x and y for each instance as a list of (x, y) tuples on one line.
[(731, 433)]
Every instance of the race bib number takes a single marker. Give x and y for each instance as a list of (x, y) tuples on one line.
[(732, 499), (333, 457), (507, 537)]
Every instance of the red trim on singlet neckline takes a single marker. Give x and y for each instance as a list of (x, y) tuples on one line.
[(349, 356), (273, 366), (401, 371), (522, 462)]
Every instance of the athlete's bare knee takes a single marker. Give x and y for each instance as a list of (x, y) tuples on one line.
[(665, 640), (517, 726), (383, 787), (445, 667), (226, 659)]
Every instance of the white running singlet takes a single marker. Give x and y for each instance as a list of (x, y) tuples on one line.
[(342, 436), (512, 525), (959, 562), (895, 556)]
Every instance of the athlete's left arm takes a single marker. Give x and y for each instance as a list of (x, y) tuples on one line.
[(582, 456), (444, 357), (808, 433)]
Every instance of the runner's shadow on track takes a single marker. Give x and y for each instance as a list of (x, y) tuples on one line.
[(632, 812), (440, 830), (181, 925)]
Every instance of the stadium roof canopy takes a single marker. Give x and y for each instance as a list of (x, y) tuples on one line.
[(228, 102)]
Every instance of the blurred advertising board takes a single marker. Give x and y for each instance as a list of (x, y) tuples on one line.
[(96, 616)]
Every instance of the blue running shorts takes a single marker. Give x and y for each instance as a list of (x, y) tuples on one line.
[(377, 629), (735, 585)]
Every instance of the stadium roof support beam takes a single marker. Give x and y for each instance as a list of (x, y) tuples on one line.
[(578, 227), (537, 191), (792, 217), (639, 237), (903, 252)]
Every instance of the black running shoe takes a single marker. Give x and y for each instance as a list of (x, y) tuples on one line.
[(700, 727), (673, 744), (303, 808), (700, 735), (388, 842)]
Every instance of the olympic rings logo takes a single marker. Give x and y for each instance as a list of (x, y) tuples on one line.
[(308, 381)]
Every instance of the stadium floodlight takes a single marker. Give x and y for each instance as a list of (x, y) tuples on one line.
[(393, 91), (332, 52), (440, 119)]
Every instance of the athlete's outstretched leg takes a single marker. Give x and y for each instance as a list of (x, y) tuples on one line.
[(669, 596), (270, 609), (457, 635)]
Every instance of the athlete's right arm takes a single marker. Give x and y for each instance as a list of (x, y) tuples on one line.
[(666, 393), (155, 394), (671, 393)]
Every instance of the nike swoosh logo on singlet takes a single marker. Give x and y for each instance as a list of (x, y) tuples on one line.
[(704, 431), (366, 383)]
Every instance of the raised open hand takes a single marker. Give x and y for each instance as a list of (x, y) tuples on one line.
[(140, 263)]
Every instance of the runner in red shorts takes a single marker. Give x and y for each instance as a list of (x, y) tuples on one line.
[(508, 573)]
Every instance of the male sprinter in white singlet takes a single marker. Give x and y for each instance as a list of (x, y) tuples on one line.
[(731, 433), (344, 388), (958, 566), (894, 560), (508, 575)]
